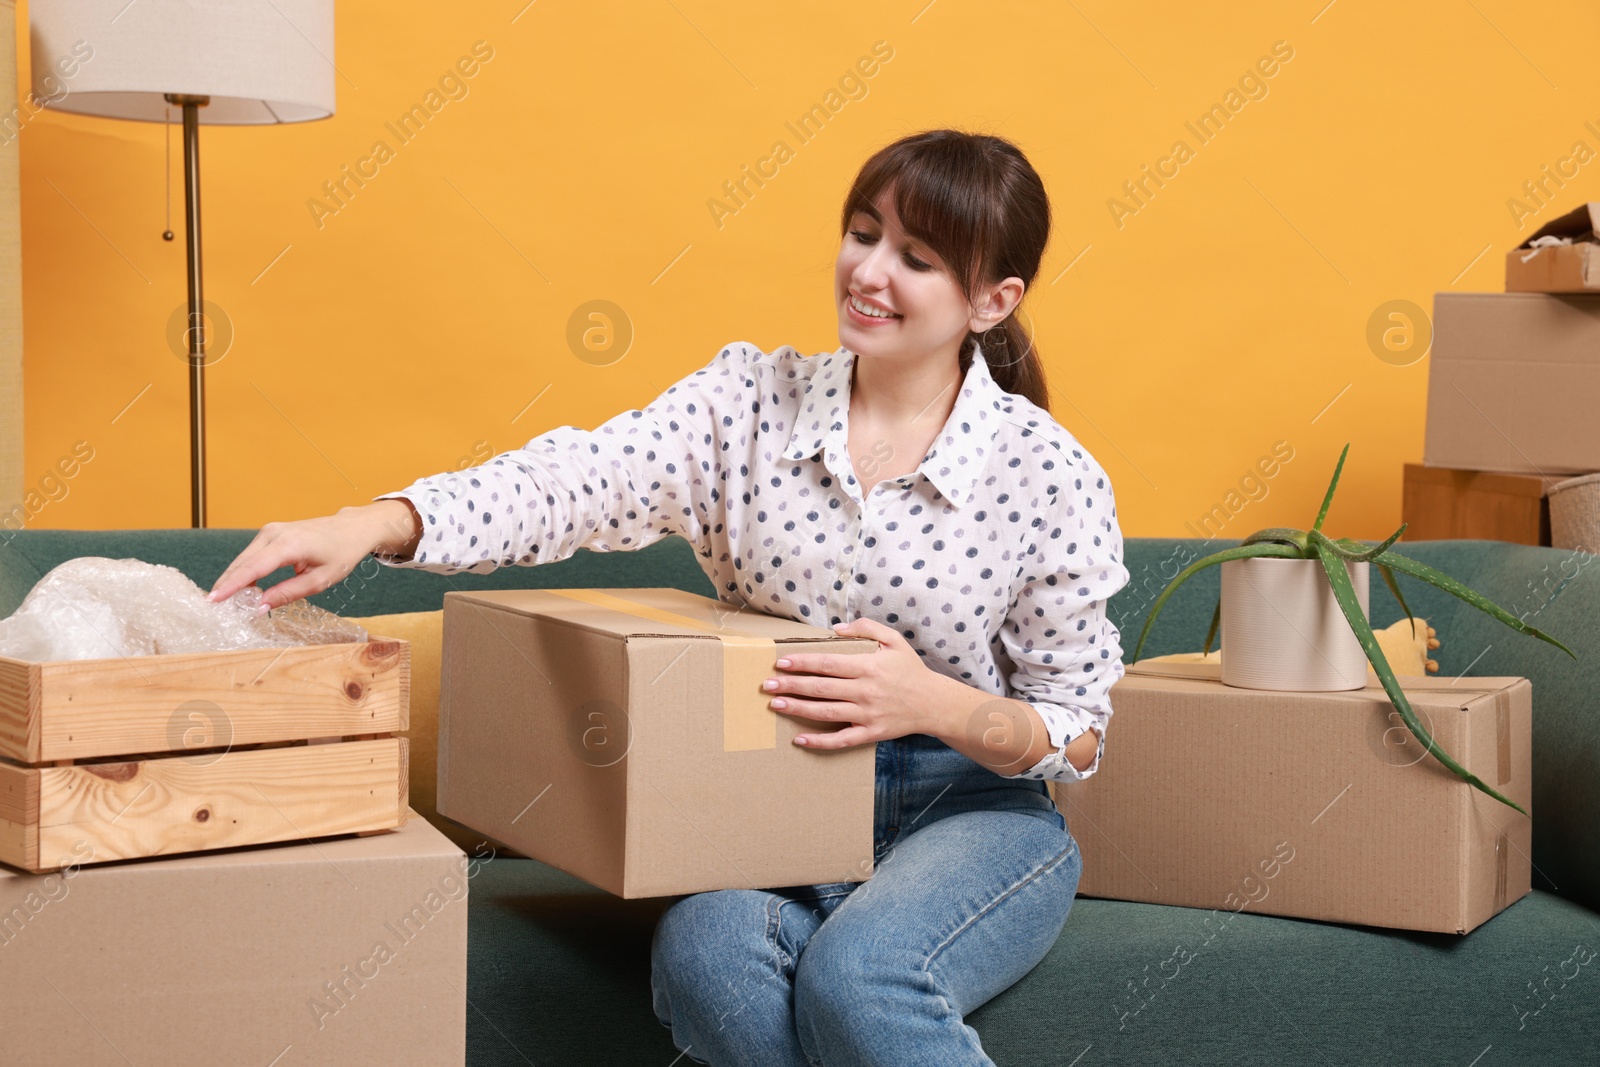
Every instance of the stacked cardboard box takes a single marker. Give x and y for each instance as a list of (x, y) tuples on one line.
[(1514, 384), (1513, 392), (1310, 805), (1562, 256), (350, 950), (1440, 503)]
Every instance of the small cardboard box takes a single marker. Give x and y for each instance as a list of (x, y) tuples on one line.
[(623, 736), (150, 755), (1558, 268), (1309, 805), (1442, 503), (1513, 383), (351, 950)]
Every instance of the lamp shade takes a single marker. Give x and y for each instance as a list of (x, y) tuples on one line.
[(258, 62)]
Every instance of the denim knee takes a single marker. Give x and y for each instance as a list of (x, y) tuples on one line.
[(712, 950), (844, 985), (678, 959)]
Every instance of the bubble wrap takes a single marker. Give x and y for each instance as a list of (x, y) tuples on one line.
[(98, 608)]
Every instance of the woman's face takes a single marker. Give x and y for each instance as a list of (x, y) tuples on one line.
[(882, 267)]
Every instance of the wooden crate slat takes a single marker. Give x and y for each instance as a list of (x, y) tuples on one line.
[(83, 709), (19, 816), (180, 804), (405, 686), (19, 720), (403, 779)]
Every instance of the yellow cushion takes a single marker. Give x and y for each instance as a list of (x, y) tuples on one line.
[(425, 631), (1407, 654)]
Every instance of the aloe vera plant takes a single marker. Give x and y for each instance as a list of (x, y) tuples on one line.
[(1288, 543)]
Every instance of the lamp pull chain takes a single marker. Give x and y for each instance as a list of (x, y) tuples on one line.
[(166, 234)]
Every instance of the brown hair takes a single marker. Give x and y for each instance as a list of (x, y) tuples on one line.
[(976, 201)]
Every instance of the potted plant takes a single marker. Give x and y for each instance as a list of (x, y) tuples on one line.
[(1337, 559), (1286, 629)]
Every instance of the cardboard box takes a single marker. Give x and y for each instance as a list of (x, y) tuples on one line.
[(350, 951), (1441, 503), (1558, 268), (151, 755), (623, 736), (1514, 383), (1309, 805)]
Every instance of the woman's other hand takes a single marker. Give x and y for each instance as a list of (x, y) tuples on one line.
[(322, 550)]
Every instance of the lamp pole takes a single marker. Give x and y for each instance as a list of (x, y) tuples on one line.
[(195, 335)]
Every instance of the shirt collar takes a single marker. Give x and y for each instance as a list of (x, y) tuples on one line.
[(954, 462)]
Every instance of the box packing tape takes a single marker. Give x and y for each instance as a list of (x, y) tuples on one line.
[(1502, 735), (1502, 846), (747, 661)]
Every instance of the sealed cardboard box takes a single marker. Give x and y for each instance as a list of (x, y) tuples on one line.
[(1514, 382), (1561, 257), (350, 950), (1442, 503), (152, 755), (623, 736), (1309, 805)]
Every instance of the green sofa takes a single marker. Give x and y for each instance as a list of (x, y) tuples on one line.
[(558, 971)]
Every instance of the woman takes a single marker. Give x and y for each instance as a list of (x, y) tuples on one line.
[(910, 487)]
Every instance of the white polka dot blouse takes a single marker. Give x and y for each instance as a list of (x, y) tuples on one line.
[(995, 558)]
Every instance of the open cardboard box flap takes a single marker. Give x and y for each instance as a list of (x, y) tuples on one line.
[(1558, 268), (1579, 224)]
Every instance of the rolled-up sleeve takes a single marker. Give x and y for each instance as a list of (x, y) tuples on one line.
[(1065, 651), (638, 477)]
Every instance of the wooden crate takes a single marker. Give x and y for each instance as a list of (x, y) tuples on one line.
[(141, 756), (1442, 503)]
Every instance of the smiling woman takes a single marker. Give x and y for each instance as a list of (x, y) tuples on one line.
[(911, 487), (984, 580)]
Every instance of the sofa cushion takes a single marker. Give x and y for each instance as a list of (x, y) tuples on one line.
[(560, 974), (19, 573), (1557, 591), (1269, 990)]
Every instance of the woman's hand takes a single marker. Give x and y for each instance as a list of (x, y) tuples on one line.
[(885, 693), (323, 550), (890, 692)]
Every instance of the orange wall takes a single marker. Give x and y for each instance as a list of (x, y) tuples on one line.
[(409, 332)]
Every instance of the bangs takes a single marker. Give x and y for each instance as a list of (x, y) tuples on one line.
[(943, 195)]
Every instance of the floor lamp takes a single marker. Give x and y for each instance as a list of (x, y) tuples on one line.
[(220, 62)]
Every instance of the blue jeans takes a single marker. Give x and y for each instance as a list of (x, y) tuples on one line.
[(974, 875)]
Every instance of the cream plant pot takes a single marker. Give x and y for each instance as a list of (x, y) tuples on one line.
[(1282, 628)]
